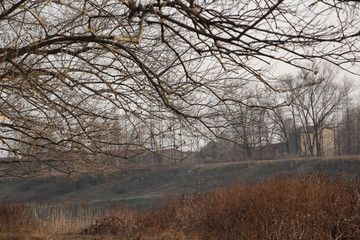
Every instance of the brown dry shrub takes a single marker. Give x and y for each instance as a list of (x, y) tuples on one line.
[(122, 222), (14, 218), (282, 208), (291, 208)]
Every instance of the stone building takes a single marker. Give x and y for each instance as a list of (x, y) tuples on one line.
[(310, 144)]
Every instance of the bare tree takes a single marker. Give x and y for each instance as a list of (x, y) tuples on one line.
[(348, 130), (250, 132), (66, 65), (283, 126), (312, 110)]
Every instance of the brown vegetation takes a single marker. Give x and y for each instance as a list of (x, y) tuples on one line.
[(15, 223), (45, 221), (317, 207), (13, 218), (292, 208)]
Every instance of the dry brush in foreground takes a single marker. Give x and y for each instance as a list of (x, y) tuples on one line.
[(317, 207)]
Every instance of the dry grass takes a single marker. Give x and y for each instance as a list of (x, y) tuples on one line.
[(45, 221), (16, 224), (282, 208), (290, 208), (14, 218), (64, 218)]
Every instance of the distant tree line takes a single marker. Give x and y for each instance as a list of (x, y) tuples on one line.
[(348, 131), (322, 120)]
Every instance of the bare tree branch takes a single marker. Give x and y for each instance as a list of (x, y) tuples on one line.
[(90, 85)]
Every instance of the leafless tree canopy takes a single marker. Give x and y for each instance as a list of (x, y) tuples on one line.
[(82, 80), (317, 107)]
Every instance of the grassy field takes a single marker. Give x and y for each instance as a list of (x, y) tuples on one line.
[(280, 199), (144, 188), (292, 207)]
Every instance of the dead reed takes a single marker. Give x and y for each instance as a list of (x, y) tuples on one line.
[(43, 220), (317, 207), (13, 217)]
